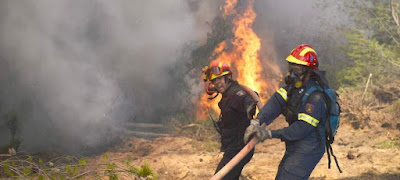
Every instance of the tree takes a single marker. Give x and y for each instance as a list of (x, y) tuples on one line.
[(373, 42)]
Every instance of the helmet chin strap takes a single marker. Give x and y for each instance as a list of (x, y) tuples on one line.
[(213, 97)]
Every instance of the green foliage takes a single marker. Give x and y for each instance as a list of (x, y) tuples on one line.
[(6, 167), (60, 168), (105, 158), (30, 159), (145, 171), (40, 177), (27, 171), (71, 170), (373, 45), (110, 171), (82, 162)]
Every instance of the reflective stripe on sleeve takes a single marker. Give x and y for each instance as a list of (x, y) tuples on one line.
[(283, 93), (309, 119)]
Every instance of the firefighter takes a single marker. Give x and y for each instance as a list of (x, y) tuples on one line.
[(237, 109), (305, 136)]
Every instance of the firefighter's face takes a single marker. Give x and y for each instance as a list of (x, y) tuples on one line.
[(220, 84), (297, 69)]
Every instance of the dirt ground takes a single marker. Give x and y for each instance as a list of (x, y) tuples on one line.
[(369, 153)]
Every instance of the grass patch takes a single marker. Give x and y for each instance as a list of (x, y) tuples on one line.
[(145, 171), (25, 166), (389, 144)]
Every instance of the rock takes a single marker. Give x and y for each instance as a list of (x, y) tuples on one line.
[(350, 155), (182, 175), (356, 124), (341, 143), (12, 151), (386, 125), (50, 164), (55, 170)]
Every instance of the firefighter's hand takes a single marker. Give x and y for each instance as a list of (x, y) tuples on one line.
[(255, 128), (251, 110)]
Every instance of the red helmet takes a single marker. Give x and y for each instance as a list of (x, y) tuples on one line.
[(215, 70), (305, 55)]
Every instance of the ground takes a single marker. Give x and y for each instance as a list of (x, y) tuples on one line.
[(368, 153)]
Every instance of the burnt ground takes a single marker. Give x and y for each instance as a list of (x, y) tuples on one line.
[(370, 152)]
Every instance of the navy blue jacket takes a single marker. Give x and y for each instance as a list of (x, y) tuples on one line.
[(301, 134)]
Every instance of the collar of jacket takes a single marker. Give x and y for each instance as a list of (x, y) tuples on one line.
[(230, 85)]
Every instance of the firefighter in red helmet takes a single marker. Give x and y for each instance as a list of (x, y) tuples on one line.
[(237, 109), (305, 136)]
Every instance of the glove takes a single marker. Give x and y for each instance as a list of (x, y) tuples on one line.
[(251, 110), (260, 131)]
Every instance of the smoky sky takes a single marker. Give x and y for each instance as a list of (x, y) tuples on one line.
[(74, 71)]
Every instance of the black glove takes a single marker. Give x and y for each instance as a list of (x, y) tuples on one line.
[(260, 131)]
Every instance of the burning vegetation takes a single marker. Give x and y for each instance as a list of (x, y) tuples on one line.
[(242, 52)]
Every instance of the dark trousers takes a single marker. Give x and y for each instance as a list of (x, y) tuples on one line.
[(297, 166), (234, 174)]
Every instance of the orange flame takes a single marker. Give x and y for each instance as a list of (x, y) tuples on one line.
[(247, 42), (244, 55)]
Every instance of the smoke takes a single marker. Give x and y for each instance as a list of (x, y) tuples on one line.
[(288, 23), (74, 71)]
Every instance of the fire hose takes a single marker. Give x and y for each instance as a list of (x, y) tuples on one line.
[(235, 160), (249, 146)]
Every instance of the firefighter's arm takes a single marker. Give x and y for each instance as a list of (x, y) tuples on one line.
[(254, 95), (243, 102), (274, 106), (309, 117)]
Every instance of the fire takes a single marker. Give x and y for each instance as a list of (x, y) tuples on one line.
[(244, 55), (247, 42)]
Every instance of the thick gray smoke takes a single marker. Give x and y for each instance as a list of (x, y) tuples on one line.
[(73, 71)]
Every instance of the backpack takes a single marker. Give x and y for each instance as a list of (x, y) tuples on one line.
[(333, 117)]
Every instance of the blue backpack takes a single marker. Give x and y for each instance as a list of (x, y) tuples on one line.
[(333, 119)]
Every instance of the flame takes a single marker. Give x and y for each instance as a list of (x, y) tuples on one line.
[(248, 43), (229, 8), (244, 55)]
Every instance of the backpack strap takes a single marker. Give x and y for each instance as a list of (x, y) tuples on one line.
[(309, 92), (303, 102), (329, 148), (329, 137)]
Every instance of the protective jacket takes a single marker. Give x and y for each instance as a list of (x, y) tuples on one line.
[(234, 119), (305, 136)]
